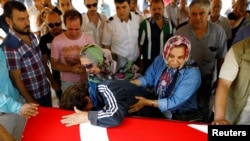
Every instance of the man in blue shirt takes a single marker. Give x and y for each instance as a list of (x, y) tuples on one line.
[(13, 108)]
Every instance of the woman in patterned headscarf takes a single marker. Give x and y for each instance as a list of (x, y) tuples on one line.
[(175, 79)]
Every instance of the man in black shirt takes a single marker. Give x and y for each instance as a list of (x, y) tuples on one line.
[(54, 23)]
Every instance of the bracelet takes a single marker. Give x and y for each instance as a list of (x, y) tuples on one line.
[(152, 103)]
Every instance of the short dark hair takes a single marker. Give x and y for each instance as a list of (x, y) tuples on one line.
[(156, 1), (9, 6), (72, 14), (75, 95), (121, 1)]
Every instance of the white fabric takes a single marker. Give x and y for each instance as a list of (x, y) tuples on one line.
[(202, 128), (90, 132), (229, 69), (174, 14), (123, 36), (90, 28), (33, 12)]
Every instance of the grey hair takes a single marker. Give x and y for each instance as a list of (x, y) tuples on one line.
[(203, 3)]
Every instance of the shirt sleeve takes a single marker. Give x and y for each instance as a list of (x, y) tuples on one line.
[(152, 73), (115, 102), (43, 46), (12, 58), (55, 48), (107, 35), (9, 105), (229, 68)]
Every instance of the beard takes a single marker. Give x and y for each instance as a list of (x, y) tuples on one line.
[(24, 31), (157, 17)]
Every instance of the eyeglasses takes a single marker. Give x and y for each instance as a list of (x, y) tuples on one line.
[(91, 5), (88, 66), (57, 24)]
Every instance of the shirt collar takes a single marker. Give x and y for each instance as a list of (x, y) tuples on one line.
[(130, 17)]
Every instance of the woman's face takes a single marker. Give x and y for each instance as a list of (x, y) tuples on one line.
[(176, 56), (89, 66)]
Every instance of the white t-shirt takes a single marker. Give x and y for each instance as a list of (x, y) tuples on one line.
[(33, 12), (229, 71), (95, 31), (229, 68)]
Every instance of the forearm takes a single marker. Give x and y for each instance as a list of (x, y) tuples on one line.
[(16, 79), (61, 67), (47, 70), (151, 103), (135, 82), (221, 99)]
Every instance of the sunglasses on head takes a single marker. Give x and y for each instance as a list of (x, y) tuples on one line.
[(57, 24), (88, 66), (91, 5)]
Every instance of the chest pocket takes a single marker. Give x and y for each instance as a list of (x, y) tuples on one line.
[(210, 54)]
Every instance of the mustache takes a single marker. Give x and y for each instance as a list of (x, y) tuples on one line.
[(28, 26), (157, 15)]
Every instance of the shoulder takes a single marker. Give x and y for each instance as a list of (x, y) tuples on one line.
[(215, 28), (11, 41), (183, 30), (59, 38), (242, 45), (46, 36), (112, 84), (159, 61), (84, 16), (135, 15), (223, 18), (102, 16), (110, 19)]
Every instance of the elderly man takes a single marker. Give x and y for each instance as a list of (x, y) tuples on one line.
[(209, 46)]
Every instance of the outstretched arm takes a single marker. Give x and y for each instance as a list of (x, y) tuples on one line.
[(221, 102)]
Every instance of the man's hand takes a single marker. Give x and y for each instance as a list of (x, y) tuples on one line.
[(29, 110), (77, 118)]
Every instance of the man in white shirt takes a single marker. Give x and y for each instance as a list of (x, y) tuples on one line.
[(121, 32), (93, 22)]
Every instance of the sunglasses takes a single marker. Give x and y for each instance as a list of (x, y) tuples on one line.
[(57, 24), (90, 5), (88, 66)]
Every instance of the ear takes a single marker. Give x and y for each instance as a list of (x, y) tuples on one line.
[(8, 21)]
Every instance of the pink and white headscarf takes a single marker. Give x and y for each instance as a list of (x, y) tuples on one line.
[(174, 41)]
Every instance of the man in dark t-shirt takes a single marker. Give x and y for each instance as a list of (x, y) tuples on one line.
[(54, 23)]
